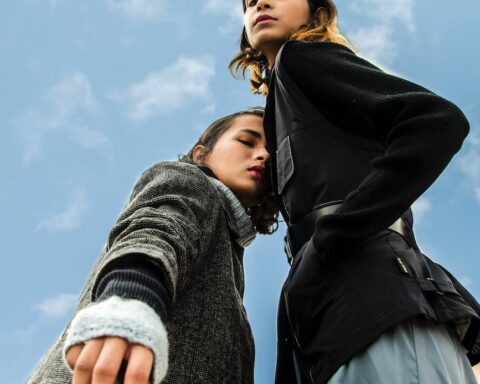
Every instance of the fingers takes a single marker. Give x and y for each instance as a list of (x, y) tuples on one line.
[(83, 368), (99, 361), (140, 364), (109, 361), (73, 353)]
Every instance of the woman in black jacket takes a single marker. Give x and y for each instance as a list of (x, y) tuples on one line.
[(352, 148)]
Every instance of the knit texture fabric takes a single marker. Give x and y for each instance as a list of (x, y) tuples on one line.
[(177, 217), (140, 279), (132, 320), (243, 223), (133, 280)]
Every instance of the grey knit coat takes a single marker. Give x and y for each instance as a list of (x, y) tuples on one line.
[(177, 216)]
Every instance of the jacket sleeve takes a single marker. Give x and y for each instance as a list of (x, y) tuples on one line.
[(419, 130), (166, 219)]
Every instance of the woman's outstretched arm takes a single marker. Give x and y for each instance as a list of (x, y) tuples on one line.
[(151, 248)]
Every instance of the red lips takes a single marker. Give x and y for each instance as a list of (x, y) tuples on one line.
[(263, 18), (258, 172)]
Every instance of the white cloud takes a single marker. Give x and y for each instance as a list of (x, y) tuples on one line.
[(169, 89), (421, 208), (470, 162), (57, 306), (387, 11), (71, 95), (209, 108), (68, 219), (374, 42), (140, 9), (232, 9), (88, 137), (49, 309), (67, 104), (382, 18)]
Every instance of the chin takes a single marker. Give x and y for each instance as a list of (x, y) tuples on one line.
[(249, 198), (268, 40)]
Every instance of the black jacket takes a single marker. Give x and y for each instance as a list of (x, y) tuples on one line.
[(340, 130)]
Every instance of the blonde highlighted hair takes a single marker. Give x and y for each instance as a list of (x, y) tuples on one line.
[(256, 62)]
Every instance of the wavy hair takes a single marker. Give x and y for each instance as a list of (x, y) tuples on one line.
[(256, 62), (264, 216)]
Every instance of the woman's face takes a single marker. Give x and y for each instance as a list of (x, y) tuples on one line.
[(239, 159), (269, 23)]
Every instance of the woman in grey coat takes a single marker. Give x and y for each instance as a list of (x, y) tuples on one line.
[(163, 303)]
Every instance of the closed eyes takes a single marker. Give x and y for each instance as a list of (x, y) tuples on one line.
[(246, 142)]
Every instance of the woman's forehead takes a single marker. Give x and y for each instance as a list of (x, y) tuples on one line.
[(248, 120), (249, 124)]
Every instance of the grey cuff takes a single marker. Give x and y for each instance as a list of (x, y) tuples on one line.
[(130, 319)]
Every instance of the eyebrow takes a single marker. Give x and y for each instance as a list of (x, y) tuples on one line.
[(252, 132)]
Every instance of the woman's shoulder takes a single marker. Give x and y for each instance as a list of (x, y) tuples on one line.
[(174, 168), (174, 176), (315, 50)]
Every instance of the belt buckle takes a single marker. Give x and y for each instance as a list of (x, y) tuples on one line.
[(288, 248)]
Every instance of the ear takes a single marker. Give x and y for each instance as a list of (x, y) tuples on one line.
[(322, 16), (198, 154)]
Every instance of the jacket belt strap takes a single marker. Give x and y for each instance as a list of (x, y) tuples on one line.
[(299, 233)]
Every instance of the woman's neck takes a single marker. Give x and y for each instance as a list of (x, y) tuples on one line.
[(271, 60), (271, 54)]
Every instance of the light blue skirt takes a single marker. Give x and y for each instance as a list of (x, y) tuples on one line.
[(414, 352)]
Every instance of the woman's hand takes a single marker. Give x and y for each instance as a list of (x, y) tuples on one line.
[(98, 361)]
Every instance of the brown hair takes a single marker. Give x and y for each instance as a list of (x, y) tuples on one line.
[(265, 215), (249, 58)]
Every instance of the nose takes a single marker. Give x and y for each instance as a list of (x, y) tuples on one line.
[(263, 155), (263, 4)]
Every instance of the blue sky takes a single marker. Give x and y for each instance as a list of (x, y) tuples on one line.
[(93, 92)]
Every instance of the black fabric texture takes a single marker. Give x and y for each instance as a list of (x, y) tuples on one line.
[(342, 132), (420, 132), (136, 277)]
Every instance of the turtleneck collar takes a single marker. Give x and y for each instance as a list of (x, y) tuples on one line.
[(242, 222)]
